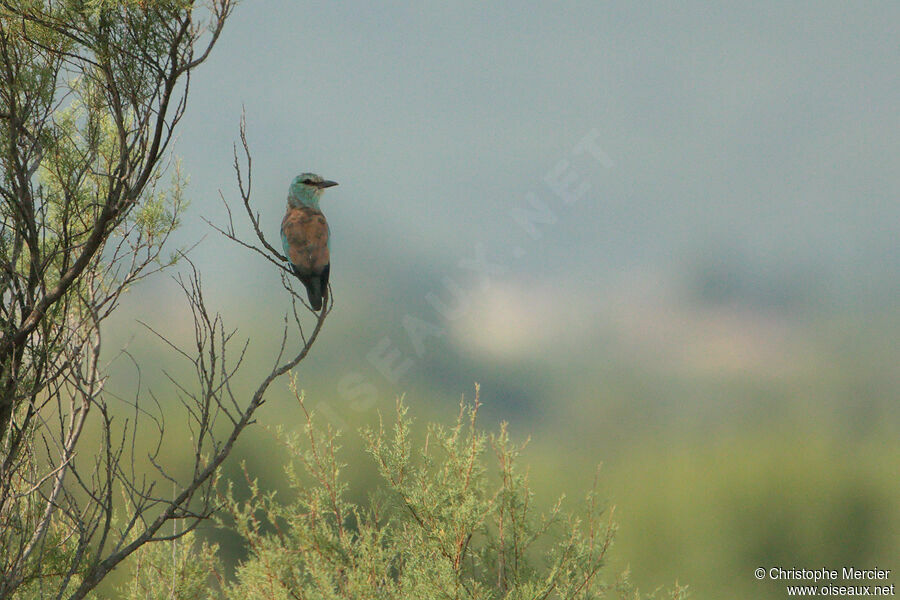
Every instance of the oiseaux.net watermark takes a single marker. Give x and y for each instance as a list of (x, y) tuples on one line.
[(846, 582)]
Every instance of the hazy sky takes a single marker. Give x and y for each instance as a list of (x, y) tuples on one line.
[(761, 139), (769, 131)]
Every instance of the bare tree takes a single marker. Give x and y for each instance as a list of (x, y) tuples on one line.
[(91, 94)]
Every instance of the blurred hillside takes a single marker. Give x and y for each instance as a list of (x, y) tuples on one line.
[(735, 429)]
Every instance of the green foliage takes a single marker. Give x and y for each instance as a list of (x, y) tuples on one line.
[(176, 569), (58, 548), (454, 518), (91, 95)]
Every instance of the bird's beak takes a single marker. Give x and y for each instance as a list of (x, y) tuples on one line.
[(326, 183)]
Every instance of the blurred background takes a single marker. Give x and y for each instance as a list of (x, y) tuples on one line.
[(661, 237)]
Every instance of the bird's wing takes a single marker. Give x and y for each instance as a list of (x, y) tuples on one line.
[(304, 235)]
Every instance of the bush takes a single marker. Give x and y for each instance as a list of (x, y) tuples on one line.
[(455, 518)]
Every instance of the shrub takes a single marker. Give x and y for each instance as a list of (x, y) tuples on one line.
[(454, 518)]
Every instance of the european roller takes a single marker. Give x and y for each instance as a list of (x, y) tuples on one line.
[(305, 236)]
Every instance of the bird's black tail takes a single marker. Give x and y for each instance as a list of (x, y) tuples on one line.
[(314, 292), (316, 286)]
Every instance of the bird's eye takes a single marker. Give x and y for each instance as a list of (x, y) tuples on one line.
[(308, 181)]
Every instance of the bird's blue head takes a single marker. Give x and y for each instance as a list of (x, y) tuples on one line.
[(306, 189)]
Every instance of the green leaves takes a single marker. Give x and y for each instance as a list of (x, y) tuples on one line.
[(91, 94), (175, 569), (454, 518)]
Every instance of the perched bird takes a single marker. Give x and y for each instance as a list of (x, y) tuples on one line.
[(305, 236)]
